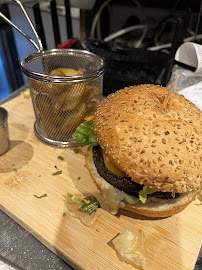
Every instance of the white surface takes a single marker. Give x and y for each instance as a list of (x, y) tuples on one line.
[(190, 54), (194, 94), (189, 83), (4, 266)]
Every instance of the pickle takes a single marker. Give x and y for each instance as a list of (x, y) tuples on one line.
[(49, 89), (73, 97), (43, 103), (92, 106), (50, 119), (80, 71), (52, 89), (74, 119), (51, 125), (66, 72), (59, 106), (59, 101), (57, 72), (91, 92)]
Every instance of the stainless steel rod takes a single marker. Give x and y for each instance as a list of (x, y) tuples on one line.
[(31, 24), (19, 30), (38, 47)]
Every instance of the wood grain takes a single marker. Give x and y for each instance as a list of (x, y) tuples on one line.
[(172, 243)]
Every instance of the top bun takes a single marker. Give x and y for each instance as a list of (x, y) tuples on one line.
[(160, 149)]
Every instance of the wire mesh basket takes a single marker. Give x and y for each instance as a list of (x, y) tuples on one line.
[(66, 86)]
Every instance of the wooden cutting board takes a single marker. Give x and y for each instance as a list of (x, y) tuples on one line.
[(172, 243)]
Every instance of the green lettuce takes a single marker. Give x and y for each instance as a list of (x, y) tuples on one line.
[(144, 192), (193, 191), (85, 134)]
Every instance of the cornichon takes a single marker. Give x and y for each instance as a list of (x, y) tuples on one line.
[(75, 118), (70, 99)]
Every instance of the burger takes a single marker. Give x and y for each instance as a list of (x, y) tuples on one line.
[(144, 157)]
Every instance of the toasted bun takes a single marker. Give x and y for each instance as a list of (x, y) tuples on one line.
[(151, 209), (160, 149)]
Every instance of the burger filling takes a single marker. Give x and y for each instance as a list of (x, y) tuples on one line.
[(118, 189), (119, 180)]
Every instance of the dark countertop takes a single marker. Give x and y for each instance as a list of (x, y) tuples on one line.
[(20, 250)]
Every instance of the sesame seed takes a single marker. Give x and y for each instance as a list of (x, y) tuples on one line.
[(171, 162)]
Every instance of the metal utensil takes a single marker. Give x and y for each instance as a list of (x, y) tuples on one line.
[(61, 102), (4, 134), (38, 47)]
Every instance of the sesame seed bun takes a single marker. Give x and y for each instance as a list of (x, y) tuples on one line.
[(152, 209), (157, 148)]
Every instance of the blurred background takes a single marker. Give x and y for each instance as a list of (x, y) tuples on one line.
[(137, 39)]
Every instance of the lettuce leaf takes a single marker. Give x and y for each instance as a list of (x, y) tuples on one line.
[(193, 191), (85, 134), (144, 192)]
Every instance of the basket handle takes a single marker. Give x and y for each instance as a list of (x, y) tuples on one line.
[(38, 47)]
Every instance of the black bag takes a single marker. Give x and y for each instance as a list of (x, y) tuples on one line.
[(127, 66)]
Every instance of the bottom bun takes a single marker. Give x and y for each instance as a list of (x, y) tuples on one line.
[(151, 209)]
